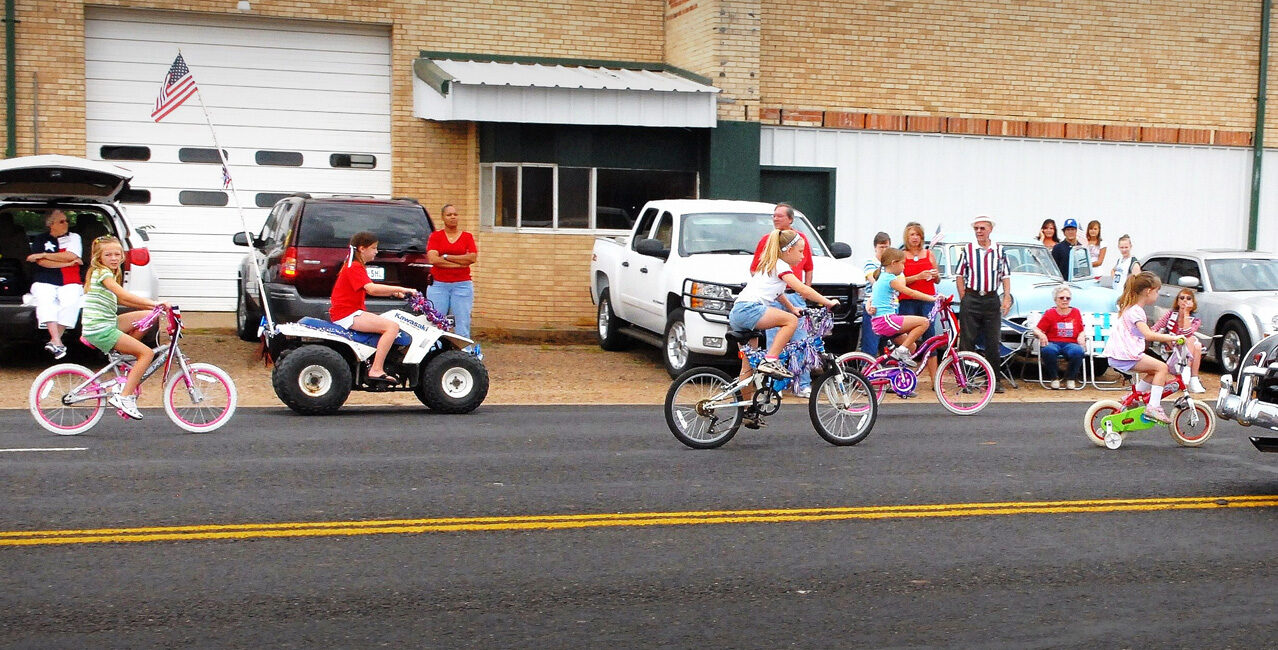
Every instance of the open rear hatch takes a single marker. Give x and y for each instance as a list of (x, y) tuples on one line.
[(54, 178)]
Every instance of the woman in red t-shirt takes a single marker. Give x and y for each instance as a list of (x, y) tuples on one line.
[(347, 302), (451, 251), (920, 275), (1060, 331)]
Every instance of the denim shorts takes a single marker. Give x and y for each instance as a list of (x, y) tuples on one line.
[(745, 315)]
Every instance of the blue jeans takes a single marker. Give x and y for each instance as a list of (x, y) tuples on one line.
[(922, 308), (869, 340), (802, 380), (1052, 352), (456, 298)]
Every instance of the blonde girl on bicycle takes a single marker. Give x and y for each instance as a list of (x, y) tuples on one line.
[(106, 330), (1126, 346)]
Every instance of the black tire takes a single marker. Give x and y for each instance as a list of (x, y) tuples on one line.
[(1232, 347), (688, 424), (246, 320), (312, 380), (608, 326), (675, 355), (453, 382), (843, 407)]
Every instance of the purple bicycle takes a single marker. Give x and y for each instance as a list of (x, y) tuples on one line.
[(964, 380)]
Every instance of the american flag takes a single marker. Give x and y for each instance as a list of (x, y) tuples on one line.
[(178, 86), (226, 177)]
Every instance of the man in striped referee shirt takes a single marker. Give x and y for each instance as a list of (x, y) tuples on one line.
[(982, 267)]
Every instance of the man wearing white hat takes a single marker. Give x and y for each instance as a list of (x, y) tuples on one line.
[(982, 268)]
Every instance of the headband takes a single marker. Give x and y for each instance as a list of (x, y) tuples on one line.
[(791, 244)]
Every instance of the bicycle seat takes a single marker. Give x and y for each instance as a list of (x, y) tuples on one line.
[(364, 338), (741, 336)]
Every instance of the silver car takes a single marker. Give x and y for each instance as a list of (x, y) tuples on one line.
[(1237, 296)]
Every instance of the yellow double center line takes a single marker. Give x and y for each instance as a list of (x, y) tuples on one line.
[(558, 522)]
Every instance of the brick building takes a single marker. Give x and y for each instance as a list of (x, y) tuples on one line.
[(869, 113)]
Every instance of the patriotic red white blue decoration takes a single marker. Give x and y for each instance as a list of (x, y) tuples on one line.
[(178, 86)]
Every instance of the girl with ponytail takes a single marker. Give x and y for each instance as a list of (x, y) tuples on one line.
[(1126, 345), (347, 301)]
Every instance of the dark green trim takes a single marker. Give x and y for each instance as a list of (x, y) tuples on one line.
[(734, 161), (581, 145), (550, 60), (434, 76), (1258, 139), (832, 172), (10, 81)]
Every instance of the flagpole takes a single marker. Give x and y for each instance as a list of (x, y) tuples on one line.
[(257, 270)]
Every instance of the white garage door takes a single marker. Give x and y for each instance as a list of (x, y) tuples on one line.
[(299, 106)]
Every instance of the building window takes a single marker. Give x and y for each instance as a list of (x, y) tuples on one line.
[(124, 152), (352, 160), (536, 197), (269, 199), (278, 158), (200, 155), (202, 197), (134, 195)]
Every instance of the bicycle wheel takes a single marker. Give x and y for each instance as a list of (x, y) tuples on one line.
[(688, 408), (1092, 427), (965, 383), (206, 404), (1192, 434), (52, 413), (864, 364), (843, 407)]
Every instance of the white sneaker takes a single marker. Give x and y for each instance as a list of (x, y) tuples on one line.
[(128, 404), (1196, 386), (1056, 384), (774, 368), (1071, 384), (804, 392), (902, 354)]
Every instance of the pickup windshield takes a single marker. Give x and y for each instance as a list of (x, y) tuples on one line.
[(735, 233)]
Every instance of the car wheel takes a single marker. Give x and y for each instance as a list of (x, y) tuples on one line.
[(246, 320), (608, 326), (1234, 343), (674, 350), (453, 382), (312, 380)]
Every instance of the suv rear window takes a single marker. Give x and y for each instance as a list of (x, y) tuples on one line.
[(331, 225)]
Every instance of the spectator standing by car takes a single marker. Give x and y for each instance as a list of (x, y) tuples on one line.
[(55, 283), (920, 275), (872, 267), (1094, 248), (982, 268), (1126, 265), (1047, 234), (451, 252), (1060, 332), (1061, 251), (783, 219), (1181, 321)]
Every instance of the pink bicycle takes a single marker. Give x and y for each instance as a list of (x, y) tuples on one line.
[(68, 398), (964, 380)]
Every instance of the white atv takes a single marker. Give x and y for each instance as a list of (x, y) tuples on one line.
[(318, 363)]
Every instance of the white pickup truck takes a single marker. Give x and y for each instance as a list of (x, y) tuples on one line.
[(672, 280)]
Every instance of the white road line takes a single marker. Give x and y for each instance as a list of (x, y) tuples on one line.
[(47, 449)]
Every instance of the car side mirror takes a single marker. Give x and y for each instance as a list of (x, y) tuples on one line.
[(241, 239), (1190, 282), (652, 248), (840, 250)]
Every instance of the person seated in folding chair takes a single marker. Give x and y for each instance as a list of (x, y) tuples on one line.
[(1060, 332)]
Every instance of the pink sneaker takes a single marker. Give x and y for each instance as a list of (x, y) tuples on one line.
[(1156, 413)]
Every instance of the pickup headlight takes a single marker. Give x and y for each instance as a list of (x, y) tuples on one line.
[(708, 296)]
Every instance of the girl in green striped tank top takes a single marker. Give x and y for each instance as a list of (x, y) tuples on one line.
[(106, 330)]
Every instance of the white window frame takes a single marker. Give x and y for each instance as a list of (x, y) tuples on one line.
[(488, 201)]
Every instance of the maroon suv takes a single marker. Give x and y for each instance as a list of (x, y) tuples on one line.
[(304, 243)]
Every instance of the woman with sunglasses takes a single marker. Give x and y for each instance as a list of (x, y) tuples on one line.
[(1060, 332), (1181, 321)]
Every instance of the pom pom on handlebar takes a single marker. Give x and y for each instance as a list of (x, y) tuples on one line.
[(147, 321), (419, 304)]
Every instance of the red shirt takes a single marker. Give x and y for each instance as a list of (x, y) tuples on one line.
[(348, 291), (1061, 329), (914, 267), (805, 266), (439, 242)]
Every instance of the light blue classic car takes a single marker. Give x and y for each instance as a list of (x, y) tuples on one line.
[(1034, 276)]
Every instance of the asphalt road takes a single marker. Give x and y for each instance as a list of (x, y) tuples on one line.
[(482, 533)]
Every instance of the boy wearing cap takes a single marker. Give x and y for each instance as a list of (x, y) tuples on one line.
[(1060, 252)]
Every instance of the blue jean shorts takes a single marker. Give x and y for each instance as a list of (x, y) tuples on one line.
[(745, 315)]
